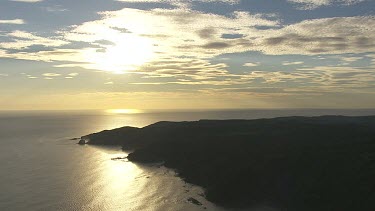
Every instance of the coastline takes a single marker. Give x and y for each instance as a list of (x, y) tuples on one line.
[(242, 157)]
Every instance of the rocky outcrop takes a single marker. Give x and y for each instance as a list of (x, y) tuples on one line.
[(82, 141), (194, 201)]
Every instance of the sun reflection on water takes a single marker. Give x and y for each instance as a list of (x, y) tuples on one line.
[(116, 184), (121, 187)]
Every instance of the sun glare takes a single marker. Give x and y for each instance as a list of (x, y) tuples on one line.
[(124, 111), (127, 53)]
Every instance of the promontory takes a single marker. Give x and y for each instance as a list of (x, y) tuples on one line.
[(322, 163)]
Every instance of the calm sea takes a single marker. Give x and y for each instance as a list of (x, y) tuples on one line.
[(42, 169)]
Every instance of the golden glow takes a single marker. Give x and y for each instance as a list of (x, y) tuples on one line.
[(124, 111), (119, 184), (126, 54), (117, 167)]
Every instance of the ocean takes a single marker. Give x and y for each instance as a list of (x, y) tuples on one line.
[(41, 168)]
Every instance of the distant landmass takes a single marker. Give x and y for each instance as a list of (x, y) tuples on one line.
[(289, 163)]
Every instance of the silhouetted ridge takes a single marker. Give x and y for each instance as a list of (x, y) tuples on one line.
[(288, 163), (111, 137)]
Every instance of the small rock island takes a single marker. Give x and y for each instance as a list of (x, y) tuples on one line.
[(322, 163)]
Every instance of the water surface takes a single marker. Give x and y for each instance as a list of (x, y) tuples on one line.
[(42, 169)]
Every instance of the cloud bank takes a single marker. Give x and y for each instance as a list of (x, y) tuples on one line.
[(182, 43)]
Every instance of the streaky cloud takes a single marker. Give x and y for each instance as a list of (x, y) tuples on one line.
[(13, 21), (28, 1), (314, 4)]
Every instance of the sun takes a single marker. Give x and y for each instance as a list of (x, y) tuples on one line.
[(126, 53)]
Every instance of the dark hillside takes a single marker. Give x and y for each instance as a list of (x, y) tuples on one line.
[(291, 163)]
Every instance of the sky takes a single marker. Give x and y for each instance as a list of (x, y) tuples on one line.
[(192, 54)]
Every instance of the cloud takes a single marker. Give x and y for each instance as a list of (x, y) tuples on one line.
[(207, 33), (351, 59), (323, 36), (251, 64), (55, 8), (292, 63), (14, 21), (183, 68), (22, 40), (343, 78), (28, 1), (372, 57), (310, 37), (216, 45), (176, 47), (161, 30), (51, 74), (171, 1), (320, 79), (313, 4), (73, 74), (181, 2)]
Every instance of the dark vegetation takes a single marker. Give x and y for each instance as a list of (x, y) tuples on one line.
[(292, 163)]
